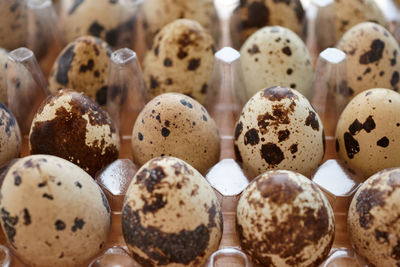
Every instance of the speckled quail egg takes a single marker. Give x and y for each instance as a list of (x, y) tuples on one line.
[(158, 13), (372, 58), (10, 136), (72, 126), (108, 20), (13, 24), (83, 66), (276, 56), (283, 219), (346, 14), (176, 125), (279, 129), (252, 15), (181, 60), (368, 132), (3, 76), (171, 215), (373, 219), (52, 212)]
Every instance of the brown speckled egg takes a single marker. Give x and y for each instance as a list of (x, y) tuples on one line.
[(158, 13), (252, 15), (373, 219), (171, 215), (83, 66), (13, 24), (52, 212), (176, 125), (72, 126), (108, 20), (372, 58), (368, 132), (10, 136), (276, 56), (3, 76), (279, 129), (283, 219), (181, 60)]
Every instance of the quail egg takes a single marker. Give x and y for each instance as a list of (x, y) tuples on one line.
[(283, 219), (83, 66), (72, 126), (279, 129), (109, 20), (181, 60), (10, 136), (176, 125), (13, 24), (368, 132), (372, 58), (171, 215), (52, 212), (252, 15), (373, 219), (276, 56)]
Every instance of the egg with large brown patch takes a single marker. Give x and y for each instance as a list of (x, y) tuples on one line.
[(372, 58), (373, 219), (180, 60), (111, 21), (83, 65), (252, 15), (13, 24), (72, 126), (283, 219), (52, 212), (171, 215), (10, 136), (279, 129), (368, 132), (176, 125), (275, 56)]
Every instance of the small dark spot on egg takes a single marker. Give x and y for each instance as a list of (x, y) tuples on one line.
[(101, 95), (293, 148), (193, 64), (78, 224), (204, 118), (251, 137), (42, 184), (140, 136), (156, 50), (383, 142), (49, 196), (337, 145), (181, 54), (289, 71), (204, 89), (238, 156), (272, 154), (253, 50), (238, 130), (17, 180), (185, 103), (351, 145), (374, 54), (278, 93), (153, 82), (283, 135), (167, 62), (287, 51), (395, 78), (60, 225), (312, 121), (165, 132), (27, 217), (96, 29), (78, 184)]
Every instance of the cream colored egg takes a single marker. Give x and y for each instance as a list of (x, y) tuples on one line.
[(372, 58), (10, 136), (252, 15), (52, 212), (181, 60), (83, 65), (276, 56), (373, 220), (176, 125), (13, 24), (72, 126), (279, 129), (283, 219), (368, 132), (171, 215)]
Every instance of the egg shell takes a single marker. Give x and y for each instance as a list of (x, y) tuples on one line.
[(10, 136), (367, 133), (72, 126), (158, 13), (108, 20), (372, 58), (181, 60), (176, 125), (252, 15), (373, 219), (52, 212), (276, 56), (171, 215), (3, 76), (283, 219), (13, 24), (83, 66), (279, 129)]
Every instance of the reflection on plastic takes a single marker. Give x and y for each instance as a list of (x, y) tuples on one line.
[(27, 87), (114, 257), (344, 257), (227, 89), (5, 256), (126, 94), (229, 257)]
